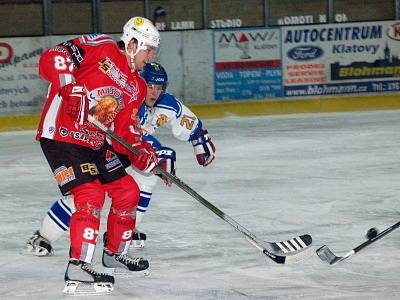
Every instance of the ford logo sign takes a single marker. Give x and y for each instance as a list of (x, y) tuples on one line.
[(305, 52)]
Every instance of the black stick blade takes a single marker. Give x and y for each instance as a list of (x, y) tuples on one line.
[(276, 258)]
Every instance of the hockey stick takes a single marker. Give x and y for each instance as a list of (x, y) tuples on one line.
[(325, 254), (298, 243)]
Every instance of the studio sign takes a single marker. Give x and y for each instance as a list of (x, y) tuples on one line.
[(305, 52)]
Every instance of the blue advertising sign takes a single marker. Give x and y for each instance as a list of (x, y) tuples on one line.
[(247, 64)]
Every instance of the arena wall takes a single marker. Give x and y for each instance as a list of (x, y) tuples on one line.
[(240, 72)]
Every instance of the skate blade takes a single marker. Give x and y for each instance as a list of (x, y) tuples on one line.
[(123, 273), (76, 288)]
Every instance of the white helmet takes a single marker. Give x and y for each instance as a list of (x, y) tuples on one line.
[(143, 31)]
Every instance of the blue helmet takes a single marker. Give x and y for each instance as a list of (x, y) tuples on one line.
[(154, 73)]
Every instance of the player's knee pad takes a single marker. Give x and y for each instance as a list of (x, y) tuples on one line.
[(124, 194), (89, 197)]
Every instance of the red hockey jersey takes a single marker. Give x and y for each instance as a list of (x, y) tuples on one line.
[(115, 92)]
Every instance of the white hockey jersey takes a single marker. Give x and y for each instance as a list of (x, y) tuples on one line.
[(169, 111)]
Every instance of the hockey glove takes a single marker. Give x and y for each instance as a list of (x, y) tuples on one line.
[(204, 149), (76, 103), (146, 160), (166, 160)]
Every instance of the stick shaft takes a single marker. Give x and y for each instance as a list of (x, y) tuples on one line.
[(251, 238), (377, 237)]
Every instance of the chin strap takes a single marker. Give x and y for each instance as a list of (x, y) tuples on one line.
[(131, 56), (132, 61)]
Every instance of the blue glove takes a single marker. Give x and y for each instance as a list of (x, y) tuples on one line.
[(204, 149), (166, 160)]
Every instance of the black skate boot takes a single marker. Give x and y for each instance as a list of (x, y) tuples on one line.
[(123, 264), (39, 245), (80, 278)]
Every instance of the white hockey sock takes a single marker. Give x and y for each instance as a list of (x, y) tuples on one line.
[(57, 219), (146, 185), (139, 217), (50, 230)]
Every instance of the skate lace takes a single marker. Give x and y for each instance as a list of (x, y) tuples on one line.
[(88, 268), (129, 259)]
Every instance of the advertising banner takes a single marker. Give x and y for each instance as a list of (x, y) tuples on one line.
[(247, 64), (335, 59), (21, 89)]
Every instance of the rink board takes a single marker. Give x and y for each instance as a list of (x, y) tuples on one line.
[(253, 108)]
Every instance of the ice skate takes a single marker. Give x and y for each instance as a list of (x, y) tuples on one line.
[(138, 240), (124, 265), (81, 279), (39, 246)]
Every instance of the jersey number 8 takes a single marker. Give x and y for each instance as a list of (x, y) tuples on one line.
[(62, 63)]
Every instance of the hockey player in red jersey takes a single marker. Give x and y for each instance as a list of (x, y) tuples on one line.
[(91, 75)]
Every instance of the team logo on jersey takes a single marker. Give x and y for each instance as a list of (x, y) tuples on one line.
[(105, 110), (77, 53), (162, 120), (105, 91), (93, 138), (89, 168), (113, 161), (63, 175), (105, 102), (109, 155), (108, 67)]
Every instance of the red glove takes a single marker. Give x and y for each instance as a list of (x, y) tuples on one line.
[(76, 103), (146, 160)]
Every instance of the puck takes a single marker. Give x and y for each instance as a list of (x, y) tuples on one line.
[(371, 233)]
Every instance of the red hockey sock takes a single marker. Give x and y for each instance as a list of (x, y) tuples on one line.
[(84, 230), (85, 222), (124, 194), (119, 232)]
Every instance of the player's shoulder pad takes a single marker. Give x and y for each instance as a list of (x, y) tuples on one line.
[(169, 102), (96, 39)]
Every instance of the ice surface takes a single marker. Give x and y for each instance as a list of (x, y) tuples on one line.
[(330, 175)]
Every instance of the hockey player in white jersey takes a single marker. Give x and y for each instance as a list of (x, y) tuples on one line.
[(160, 109)]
